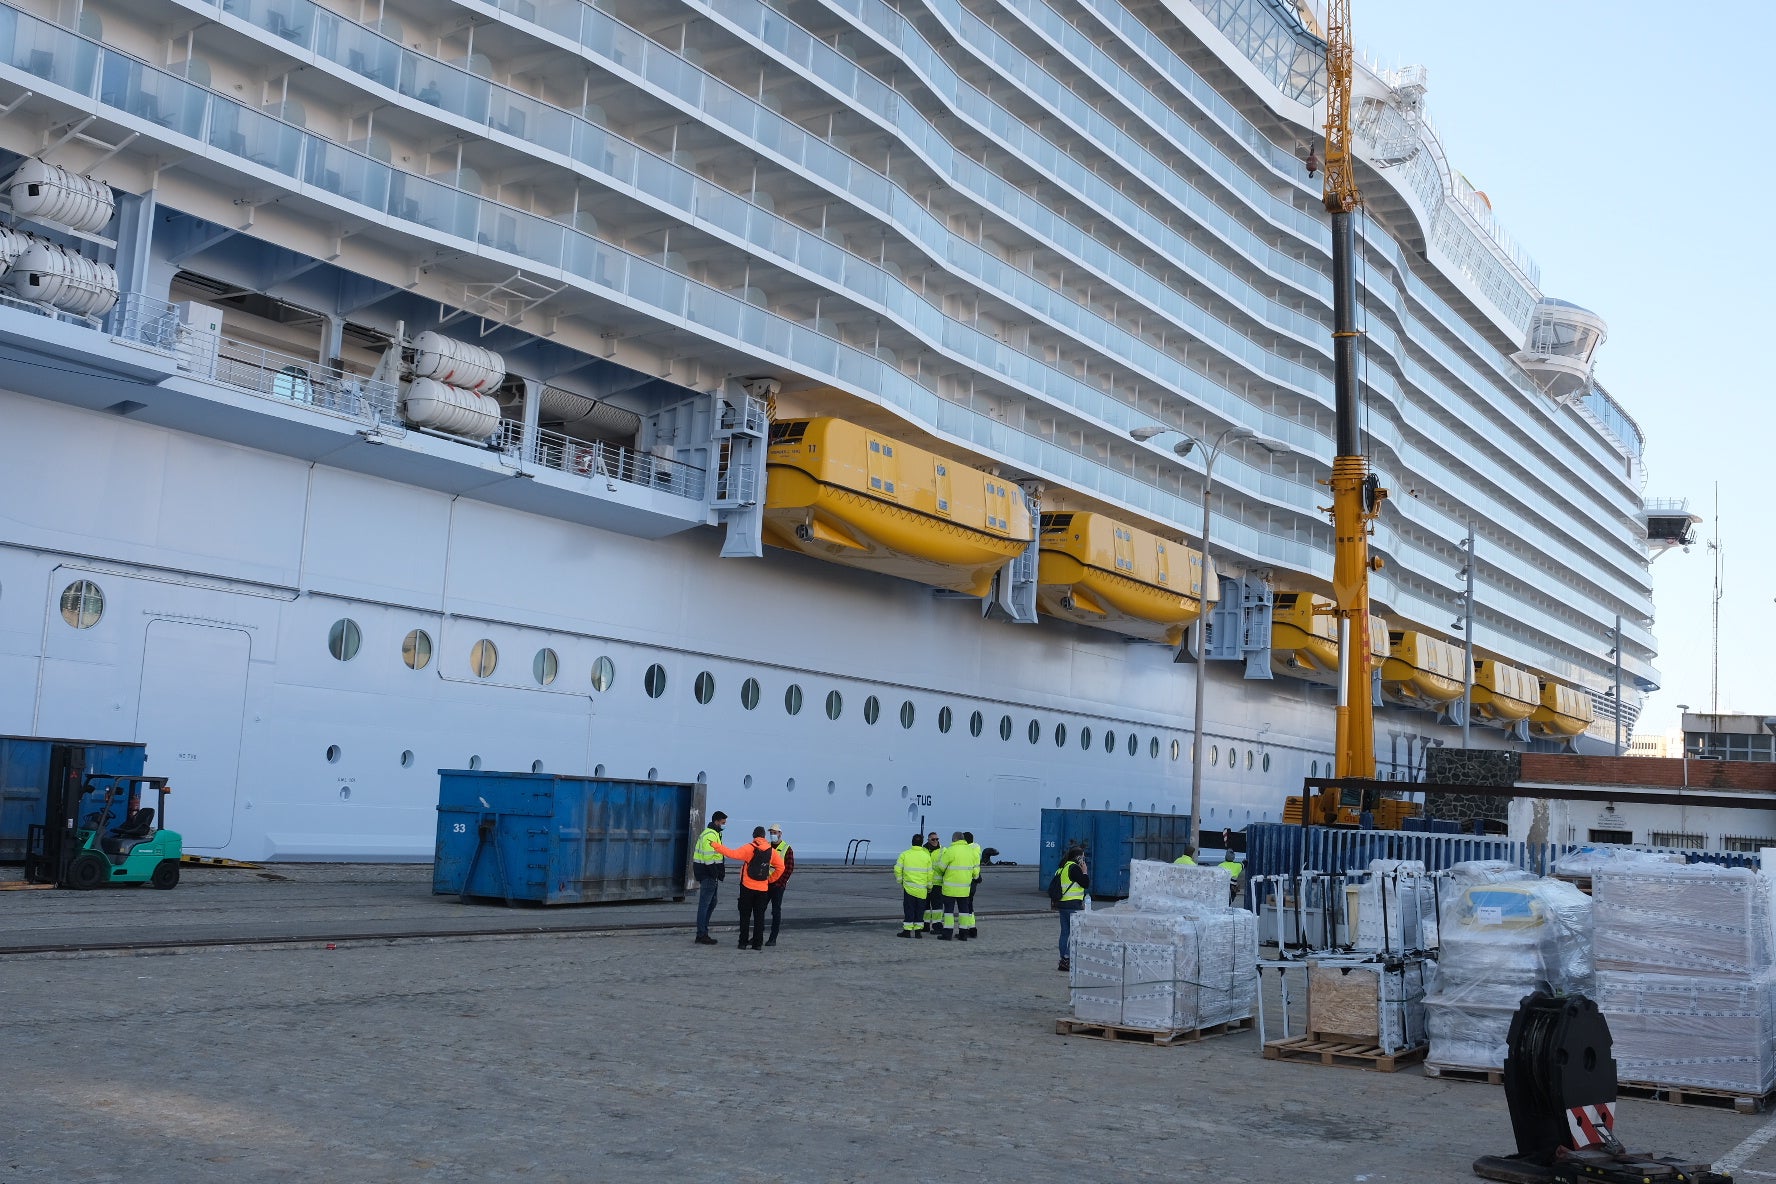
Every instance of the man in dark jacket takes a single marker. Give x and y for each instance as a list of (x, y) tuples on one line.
[(775, 837), (1075, 879)]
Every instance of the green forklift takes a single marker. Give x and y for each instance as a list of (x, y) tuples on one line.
[(100, 833)]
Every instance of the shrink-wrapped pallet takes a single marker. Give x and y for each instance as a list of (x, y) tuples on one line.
[(1164, 972), (1503, 936), (1397, 908), (1682, 1030), (1697, 919), (1156, 887), (1380, 1003)]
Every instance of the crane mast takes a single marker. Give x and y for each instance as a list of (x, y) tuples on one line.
[(1356, 498)]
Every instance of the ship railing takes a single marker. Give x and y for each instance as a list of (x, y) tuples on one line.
[(601, 460), (7, 300), (143, 320), (286, 378), (1667, 505)]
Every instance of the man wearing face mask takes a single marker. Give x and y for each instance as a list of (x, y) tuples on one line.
[(774, 836), (709, 869)]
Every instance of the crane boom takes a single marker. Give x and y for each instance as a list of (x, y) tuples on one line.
[(1356, 499)]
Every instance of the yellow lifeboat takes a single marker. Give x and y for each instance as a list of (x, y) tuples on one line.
[(1100, 572), (1421, 670), (1304, 638), (1564, 712), (1503, 694), (840, 491)]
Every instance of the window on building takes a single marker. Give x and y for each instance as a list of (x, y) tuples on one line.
[(1612, 836), (1676, 838), (1747, 842)]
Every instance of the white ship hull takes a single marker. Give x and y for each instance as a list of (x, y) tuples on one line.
[(223, 570)]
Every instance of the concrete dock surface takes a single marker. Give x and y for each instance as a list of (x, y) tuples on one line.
[(593, 1044)]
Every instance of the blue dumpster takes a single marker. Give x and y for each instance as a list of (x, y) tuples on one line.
[(545, 839), (28, 764), (1112, 840)]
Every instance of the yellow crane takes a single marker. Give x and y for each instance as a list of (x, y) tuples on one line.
[(1356, 495)]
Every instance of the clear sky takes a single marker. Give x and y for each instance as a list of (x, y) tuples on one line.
[(1626, 146)]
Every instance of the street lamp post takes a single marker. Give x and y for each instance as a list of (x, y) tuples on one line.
[(1211, 451)]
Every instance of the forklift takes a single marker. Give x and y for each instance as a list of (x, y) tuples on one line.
[(100, 833)]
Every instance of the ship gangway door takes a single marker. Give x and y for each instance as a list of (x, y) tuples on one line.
[(1014, 588), (742, 424)]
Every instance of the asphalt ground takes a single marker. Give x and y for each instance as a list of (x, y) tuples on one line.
[(624, 1053)]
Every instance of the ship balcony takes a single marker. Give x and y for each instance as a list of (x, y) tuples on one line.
[(144, 362), (1558, 347)]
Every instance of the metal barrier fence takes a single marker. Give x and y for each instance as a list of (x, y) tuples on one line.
[(1276, 849)]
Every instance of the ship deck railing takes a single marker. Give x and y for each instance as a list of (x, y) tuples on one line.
[(601, 460), (338, 390)]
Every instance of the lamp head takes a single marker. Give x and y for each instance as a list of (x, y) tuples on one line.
[(1185, 446), (1147, 433)]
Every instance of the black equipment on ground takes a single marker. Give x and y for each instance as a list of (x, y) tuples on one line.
[(1560, 1085)]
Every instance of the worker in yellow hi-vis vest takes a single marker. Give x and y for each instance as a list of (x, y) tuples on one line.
[(912, 871), (959, 865)]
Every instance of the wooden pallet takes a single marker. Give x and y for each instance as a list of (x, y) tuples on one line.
[(1312, 1050), (1162, 1038), (1464, 1073), (1692, 1095)]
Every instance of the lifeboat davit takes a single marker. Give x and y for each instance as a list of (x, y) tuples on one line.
[(1100, 572), (1304, 638), (1421, 670), (843, 492), (1503, 694), (1564, 712)]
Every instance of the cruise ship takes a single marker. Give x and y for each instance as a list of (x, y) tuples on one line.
[(810, 398)]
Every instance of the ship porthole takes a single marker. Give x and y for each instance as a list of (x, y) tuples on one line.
[(975, 722), (704, 687), (484, 658), (604, 673), (536, 766), (345, 793), (749, 693), (1175, 748), (598, 770), (416, 649), (1034, 731), (945, 718), (1267, 762), (1085, 738), (1153, 748), (332, 754), (406, 758), (82, 604), (903, 791), (344, 638), (653, 681), (653, 774), (1005, 727), (1109, 744), (545, 666), (474, 762), (1060, 735), (790, 785), (792, 701), (872, 710), (906, 714), (832, 787), (835, 705), (746, 781), (869, 790), (1134, 744)]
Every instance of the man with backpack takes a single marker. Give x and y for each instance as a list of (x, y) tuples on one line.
[(760, 865), (1066, 892)]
